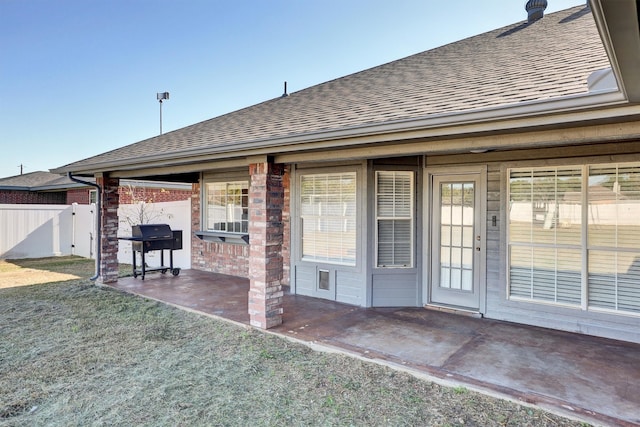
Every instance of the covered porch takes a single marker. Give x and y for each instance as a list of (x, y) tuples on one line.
[(593, 378)]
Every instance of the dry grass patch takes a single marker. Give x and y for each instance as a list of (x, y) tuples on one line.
[(34, 271), (75, 354)]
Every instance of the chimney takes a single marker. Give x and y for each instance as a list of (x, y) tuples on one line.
[(535, 9)]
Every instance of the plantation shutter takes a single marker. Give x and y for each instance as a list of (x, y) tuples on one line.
[(394, 218)]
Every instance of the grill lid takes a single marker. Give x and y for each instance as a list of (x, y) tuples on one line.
[(152, 231)]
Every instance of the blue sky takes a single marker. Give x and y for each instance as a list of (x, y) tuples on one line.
[(80, 77)]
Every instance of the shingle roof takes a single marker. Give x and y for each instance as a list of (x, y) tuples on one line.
[(32, 180), (42, 181), (546, 59)]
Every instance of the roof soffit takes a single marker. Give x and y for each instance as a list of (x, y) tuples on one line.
[(617, 22)]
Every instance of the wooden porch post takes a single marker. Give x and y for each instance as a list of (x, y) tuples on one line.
[(266, 199), (108, 238)]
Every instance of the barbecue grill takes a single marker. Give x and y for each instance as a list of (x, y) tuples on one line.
[(154, 237)]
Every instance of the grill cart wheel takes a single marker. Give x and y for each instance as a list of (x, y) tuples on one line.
[(175, 271)]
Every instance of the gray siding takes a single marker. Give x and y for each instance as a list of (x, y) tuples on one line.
[(347, 287), (305, 279), (395, 289), (498, 306), (496, 282), (348, 283), (350, 288)]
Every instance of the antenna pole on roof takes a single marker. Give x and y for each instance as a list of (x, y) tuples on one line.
[(161, 97), (285, 90)]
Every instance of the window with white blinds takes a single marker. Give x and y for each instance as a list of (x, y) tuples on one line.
[(545, 234), (574, 236), (328, 217), (614, 237), (394, 219)]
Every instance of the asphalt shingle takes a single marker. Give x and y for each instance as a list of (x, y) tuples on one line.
[(33, 179), (546, 59)]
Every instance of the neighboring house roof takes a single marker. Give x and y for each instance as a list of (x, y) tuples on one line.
[(47, 181), (37, 181), (520, 64)]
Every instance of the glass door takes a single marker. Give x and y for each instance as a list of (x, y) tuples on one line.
[(456, 242)]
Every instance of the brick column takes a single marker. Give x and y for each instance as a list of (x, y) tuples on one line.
[(266, 200), (109, 201), (286, 230)]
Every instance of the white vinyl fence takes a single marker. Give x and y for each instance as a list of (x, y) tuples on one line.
[(38, 231), (176, 214)]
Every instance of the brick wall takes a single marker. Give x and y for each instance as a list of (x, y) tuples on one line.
[(223, 258), (28, 197), (233, 259), (79, 196), (109, 229), (286, 229), (266, 199), (134, 194)]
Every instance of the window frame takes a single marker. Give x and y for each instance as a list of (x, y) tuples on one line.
[(228, 191), (219, 235), (378, 218), (585, 247), (355, 217)]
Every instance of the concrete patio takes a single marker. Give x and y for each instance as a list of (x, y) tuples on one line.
[(593, 379)]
